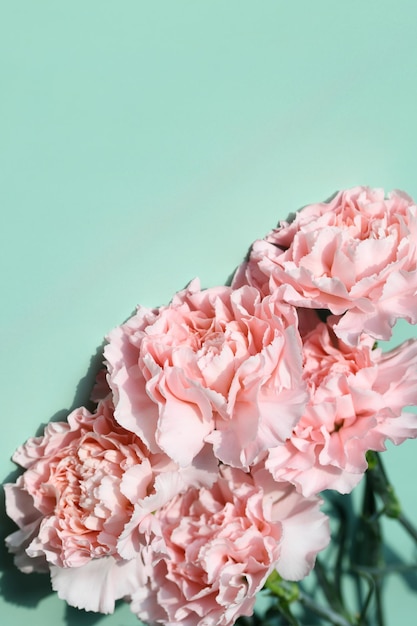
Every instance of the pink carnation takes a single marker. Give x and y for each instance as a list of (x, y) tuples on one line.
[(355, 255), (82, 483), (219, 545), (72, 482), (213, 366), (357, 399)]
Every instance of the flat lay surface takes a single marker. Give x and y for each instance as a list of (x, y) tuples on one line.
[(142, 146)]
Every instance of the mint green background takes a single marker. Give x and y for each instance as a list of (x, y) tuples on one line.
[(143, 144)]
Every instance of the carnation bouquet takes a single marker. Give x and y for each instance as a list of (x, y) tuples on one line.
[(229, 428)]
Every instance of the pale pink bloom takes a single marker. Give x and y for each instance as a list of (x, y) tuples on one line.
[(169, 481), (213, 366), (355, 255), (358, 396), (217, 547), (71, 486), (84, 480)]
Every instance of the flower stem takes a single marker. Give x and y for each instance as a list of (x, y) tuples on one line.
[(327, 613), (378, 600), (382, 486), (331, 592), (408, 526)]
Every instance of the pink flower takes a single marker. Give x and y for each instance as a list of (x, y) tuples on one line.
[(219, 545), (211, 367), (82, 484), (355, 255), (72, 482), (357, 399)]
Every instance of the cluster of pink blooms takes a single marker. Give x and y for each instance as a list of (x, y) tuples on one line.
[(221, 418)]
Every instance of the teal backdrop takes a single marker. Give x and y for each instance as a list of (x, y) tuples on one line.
[(143, 144)]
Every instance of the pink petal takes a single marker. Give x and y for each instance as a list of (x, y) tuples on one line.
[(97, 585)]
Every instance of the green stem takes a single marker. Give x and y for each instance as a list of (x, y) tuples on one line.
[(367, 601), (331, 593), (408, 526), (378, 599), (327, 613), (382, 486)]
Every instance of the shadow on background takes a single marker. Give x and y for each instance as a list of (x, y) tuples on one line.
[(408, 573), (16, 587)]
